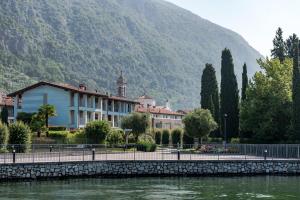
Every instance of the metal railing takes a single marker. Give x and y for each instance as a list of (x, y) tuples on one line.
[(93, 152)]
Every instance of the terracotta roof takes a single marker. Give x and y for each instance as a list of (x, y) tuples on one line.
[(156, 110), (184, 111), (58, 85), (8, 101), (71, 88)]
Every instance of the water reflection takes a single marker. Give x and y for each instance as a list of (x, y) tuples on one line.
[(264, 187)]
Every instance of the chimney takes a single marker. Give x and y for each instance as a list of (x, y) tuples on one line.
[(82, 86)]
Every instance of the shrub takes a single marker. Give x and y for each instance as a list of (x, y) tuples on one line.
[(166, 137), (215, 140), (57, 128), (59, 136), (146, 143), (76, 137), (20, 134), (176, 136), (157, 136), (235, 140), (115, 136), (4, 134), (96, 131)]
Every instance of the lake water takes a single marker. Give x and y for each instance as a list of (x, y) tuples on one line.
[(259, 187)]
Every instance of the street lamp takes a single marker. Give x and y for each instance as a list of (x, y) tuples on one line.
[(225, 130)]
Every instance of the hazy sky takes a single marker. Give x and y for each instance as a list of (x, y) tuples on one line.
[(255, 20)]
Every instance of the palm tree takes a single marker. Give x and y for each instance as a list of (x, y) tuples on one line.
[(46, 111)]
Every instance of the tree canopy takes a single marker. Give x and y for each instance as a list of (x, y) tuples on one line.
[(199, 123), (138, 122), (266, 112)]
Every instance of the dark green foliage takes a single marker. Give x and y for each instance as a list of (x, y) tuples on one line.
[(210, 92), (46, 111), (138, 122), (177, 136), (296, 93), (229, 96), (146, 143), (37, 124), (278, 50), (266, 113), (57, 128), (244, 82), (165, 137), (152, 40), (4, 115), (4, 134), (289, 45), (115, 137), (158, 136), (25, 117), (20, 136), (96, 131), (187, 139)]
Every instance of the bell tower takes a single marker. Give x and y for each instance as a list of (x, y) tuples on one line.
[(122, 84)]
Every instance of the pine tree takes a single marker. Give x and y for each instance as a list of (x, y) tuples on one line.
[(289, 45), (229, 96), (296, 93), (278, 50), (210, 92), (244, 82)]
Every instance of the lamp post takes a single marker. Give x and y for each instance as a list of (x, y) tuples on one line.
[(225, 130)]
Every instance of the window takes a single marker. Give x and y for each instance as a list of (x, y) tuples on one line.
[(109, 105), (72, 99), (19, 101), (81, 100), (129, 108), (72, 117), (116, 106)]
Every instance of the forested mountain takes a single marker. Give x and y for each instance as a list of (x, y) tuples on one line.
[(161, 48)]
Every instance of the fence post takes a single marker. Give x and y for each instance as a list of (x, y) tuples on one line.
[(178, 154), (93, 154), (298, 152), (105, 152), (59, 149), (32, 152), (265, 154), (82, 153), (134, 153), (14, 156)]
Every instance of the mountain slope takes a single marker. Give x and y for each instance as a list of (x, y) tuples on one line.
[(161, 48)]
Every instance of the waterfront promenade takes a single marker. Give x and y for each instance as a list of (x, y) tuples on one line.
[(77, 153)]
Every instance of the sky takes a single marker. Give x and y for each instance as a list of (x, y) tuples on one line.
[(256, 20)]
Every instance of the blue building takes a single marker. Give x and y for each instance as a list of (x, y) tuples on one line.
[(75, 106)]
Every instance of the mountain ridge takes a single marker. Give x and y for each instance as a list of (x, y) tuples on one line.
[(161, 48)]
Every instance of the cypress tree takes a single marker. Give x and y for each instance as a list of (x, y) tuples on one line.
[(4, 115), (296, 93), (244, 82), (210, 92), (278, 50), (229, 96), (289, 45)]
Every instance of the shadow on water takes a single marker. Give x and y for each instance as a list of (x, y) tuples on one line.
[(258, 187)]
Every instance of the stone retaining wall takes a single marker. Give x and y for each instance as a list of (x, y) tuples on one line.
[(146, 168)]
